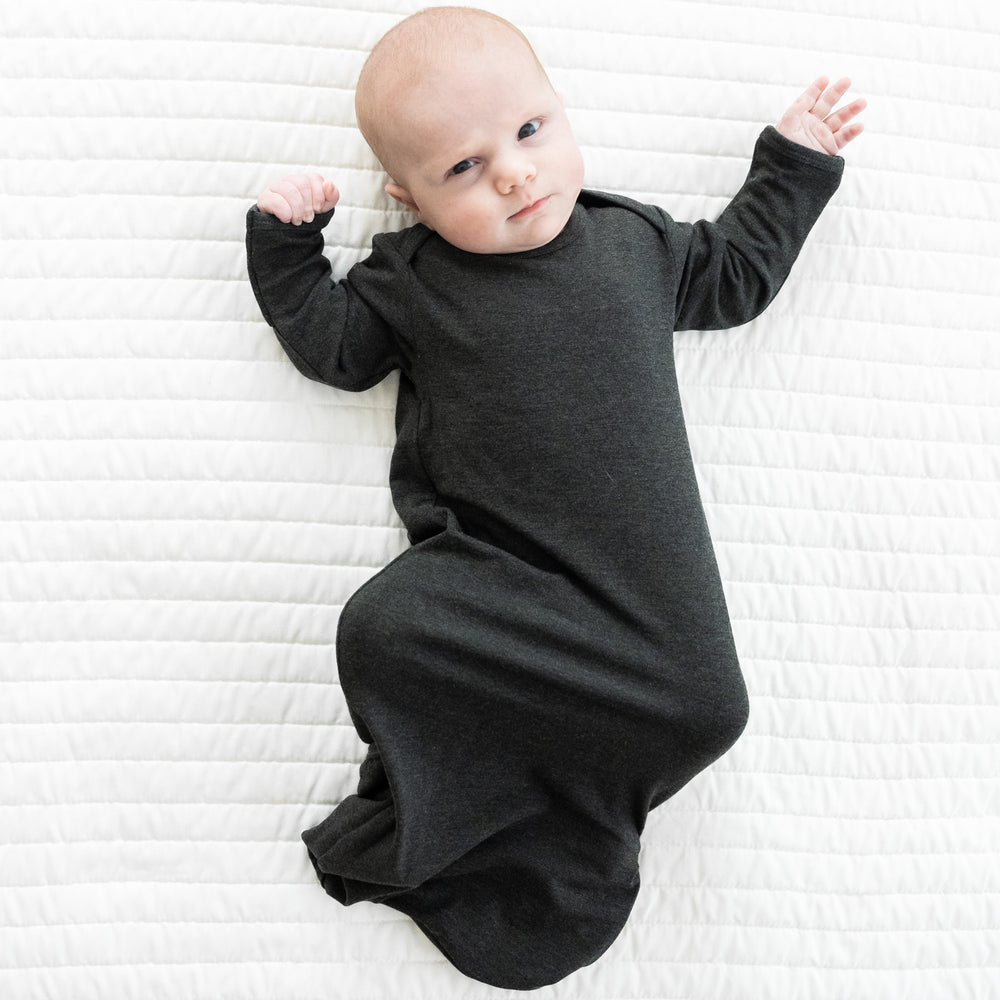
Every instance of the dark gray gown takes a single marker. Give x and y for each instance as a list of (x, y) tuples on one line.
[(552, 657)]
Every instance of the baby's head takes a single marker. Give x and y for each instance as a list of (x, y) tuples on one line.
[(460, 113)]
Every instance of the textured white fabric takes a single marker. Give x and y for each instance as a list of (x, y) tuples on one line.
[(183, 515)]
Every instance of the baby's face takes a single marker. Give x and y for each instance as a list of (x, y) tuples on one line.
[(488, 157)]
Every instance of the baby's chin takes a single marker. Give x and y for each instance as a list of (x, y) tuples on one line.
[(541, 223), (528, 229)]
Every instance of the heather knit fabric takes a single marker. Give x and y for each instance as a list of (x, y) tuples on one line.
[(552, 657)]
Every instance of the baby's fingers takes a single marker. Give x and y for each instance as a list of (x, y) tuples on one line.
[(840, 118), (273, 203), (830, 96), (299, 191), (283, 199), (296, 198), (318, 195), (314, 197), (844, 135), (330, 197), (806, 101)]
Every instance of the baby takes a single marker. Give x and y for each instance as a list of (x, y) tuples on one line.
[(552, 657)]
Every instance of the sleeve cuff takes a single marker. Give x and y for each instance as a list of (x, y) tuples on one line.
[(772, 139), (264, 220)]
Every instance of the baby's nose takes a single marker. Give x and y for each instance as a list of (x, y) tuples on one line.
[(513, 172)]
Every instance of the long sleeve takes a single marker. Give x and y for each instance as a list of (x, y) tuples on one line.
[(730, 270), (343, 333)]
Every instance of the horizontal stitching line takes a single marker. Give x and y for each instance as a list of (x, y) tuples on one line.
[(803, 546), (169, 721), (89, 681), (236, 561), (945, 27), (851, 283), (775, 314), (131, 39), (272, 83), (840, 587), (894, 591), (754, 353), (759, 696), (354, 922), (781, 313), (152, 599), (751, 925), (105, 640), (808, 891), (128, 841), (797, 621), (194, 519), (832, 742), (209, 761), (872, 168), (801, 470), (796, 545), (331, 682), (702, 810), (726, 427), (206, 480), (832, 432), (759, 693), (554, 66), (345, 399), (694, 386), (665, 845), (319, 442), (354, 960), (717, 504), (882, 668), (938, 818), (771, 620), (810, 774), (823, 394), (189, 803)]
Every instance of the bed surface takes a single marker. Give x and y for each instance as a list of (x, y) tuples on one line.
[(182, 515)]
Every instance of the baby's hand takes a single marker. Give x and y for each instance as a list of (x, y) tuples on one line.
[(809, 122), (299, 198)]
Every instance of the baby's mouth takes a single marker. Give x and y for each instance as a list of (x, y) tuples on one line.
[(529, 210)]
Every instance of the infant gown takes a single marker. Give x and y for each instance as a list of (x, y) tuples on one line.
[(552, 656)]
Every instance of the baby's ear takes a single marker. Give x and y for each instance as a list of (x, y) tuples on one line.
[(401, 195)]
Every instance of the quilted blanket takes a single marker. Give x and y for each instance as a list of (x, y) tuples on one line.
[(182, 515)]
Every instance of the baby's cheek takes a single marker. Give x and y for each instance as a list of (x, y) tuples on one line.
[(476, 229)]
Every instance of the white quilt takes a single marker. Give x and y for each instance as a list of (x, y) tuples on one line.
[(182, 515)]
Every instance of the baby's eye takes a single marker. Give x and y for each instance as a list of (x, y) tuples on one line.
[(460, 168), (528, 129)]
